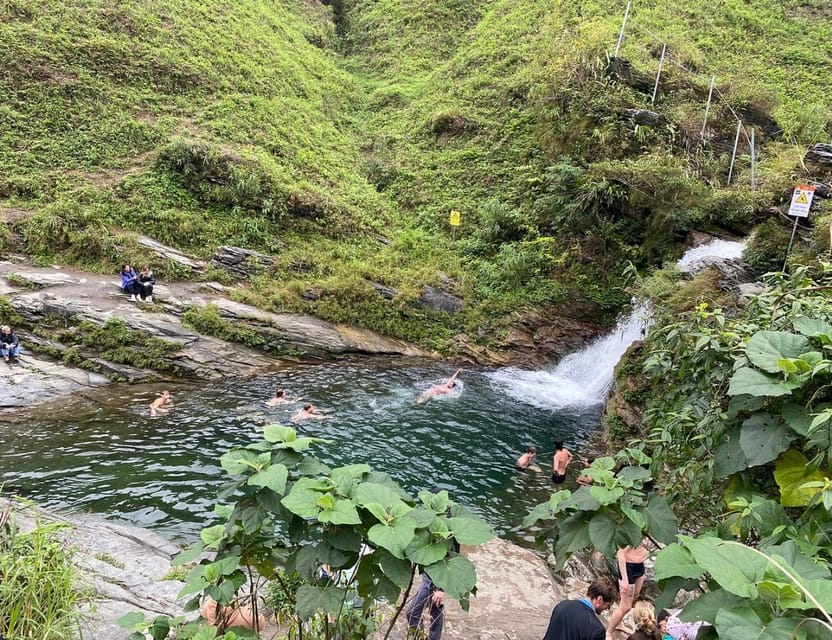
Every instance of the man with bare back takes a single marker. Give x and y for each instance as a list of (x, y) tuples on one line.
[(162, 404), (560, 461)]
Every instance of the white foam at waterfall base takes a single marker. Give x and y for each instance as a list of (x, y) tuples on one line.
[(582, 379), (715, 249), (579, 381)]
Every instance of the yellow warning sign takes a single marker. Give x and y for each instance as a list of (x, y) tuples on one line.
[(455, 218), (801, 200)]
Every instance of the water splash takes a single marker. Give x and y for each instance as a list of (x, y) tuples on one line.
[(582, 379), (713, 250)]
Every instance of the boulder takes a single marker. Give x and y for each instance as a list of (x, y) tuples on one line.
[(169, 253), (124, 566), (439, 300), (243, 263), (819, 153), (646, 118), (36, 380)]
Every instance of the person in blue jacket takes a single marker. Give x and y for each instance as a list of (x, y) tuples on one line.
[(9, 345), (130, 282)]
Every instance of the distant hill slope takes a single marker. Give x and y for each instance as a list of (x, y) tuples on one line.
[(337, 137)]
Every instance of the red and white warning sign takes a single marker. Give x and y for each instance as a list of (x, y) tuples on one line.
[(801, 201)]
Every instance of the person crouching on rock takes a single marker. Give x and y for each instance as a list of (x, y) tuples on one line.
[(9, 345), (130, 282), (146, 282)]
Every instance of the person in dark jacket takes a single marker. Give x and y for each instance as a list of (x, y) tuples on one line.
[(578, 619), (130, 282), (9, 345), (146, 280)]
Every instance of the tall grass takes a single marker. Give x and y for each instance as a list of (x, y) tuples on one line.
[(38, 596)]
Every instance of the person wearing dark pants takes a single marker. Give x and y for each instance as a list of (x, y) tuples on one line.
[(146, 280), (427, 593), (130, 282)]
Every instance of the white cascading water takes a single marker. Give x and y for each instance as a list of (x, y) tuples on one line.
[(582, 379)]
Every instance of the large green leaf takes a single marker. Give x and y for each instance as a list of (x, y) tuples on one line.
[(427, 554), (394, 537), (279, 433), (814, 328), (397, 569), (573, 535), (766, 348), (661, 522), (821, 590), (673, 561), (455, 576), (302, 499), (274, 477), (602, 528), (311, 599), (797, 418), (239, 461), (734, 566), (754, 383), (806, 567), (634, 474), (212, 536), (790, 474), (605, 496), (627, 533), (728, 456), (763, 437), (583, 500), (342, 512), (370, 492), (472, 531), (708, 605)]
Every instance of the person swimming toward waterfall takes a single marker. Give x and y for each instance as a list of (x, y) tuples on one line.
[(439, 389), (309, 412), (279, 398)]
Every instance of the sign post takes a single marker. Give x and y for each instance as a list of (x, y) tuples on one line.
[(454, 221), (801, 203)]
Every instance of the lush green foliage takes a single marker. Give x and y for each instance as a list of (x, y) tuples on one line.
[(739, 404), (293, 515), (304, 131), (38, 582)]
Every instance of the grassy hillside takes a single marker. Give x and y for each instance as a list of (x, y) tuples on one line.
[(338, 139)]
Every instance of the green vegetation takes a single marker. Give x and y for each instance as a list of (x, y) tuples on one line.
[(38, 590), (114, 341), (291, 516), (337, 141), (735, 404)]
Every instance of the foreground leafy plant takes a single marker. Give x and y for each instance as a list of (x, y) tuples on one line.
[(38, 594), (295, 515)]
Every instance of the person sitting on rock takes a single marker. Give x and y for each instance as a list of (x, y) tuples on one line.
[(162, 404), (130, 282), (9, 345), (146, 282)]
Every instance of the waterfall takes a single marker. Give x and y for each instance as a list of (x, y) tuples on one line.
[(582, 379)]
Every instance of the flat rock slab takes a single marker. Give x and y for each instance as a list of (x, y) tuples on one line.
[(35, 380)]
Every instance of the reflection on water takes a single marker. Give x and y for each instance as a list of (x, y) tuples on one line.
[(108, 456)]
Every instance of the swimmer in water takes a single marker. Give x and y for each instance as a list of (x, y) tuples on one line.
[(280, 398), (439, 389), (309, 412), (162, 404), (526, 461)]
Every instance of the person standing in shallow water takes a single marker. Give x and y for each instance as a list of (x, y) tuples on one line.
[(560, 461), (526, 461)]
